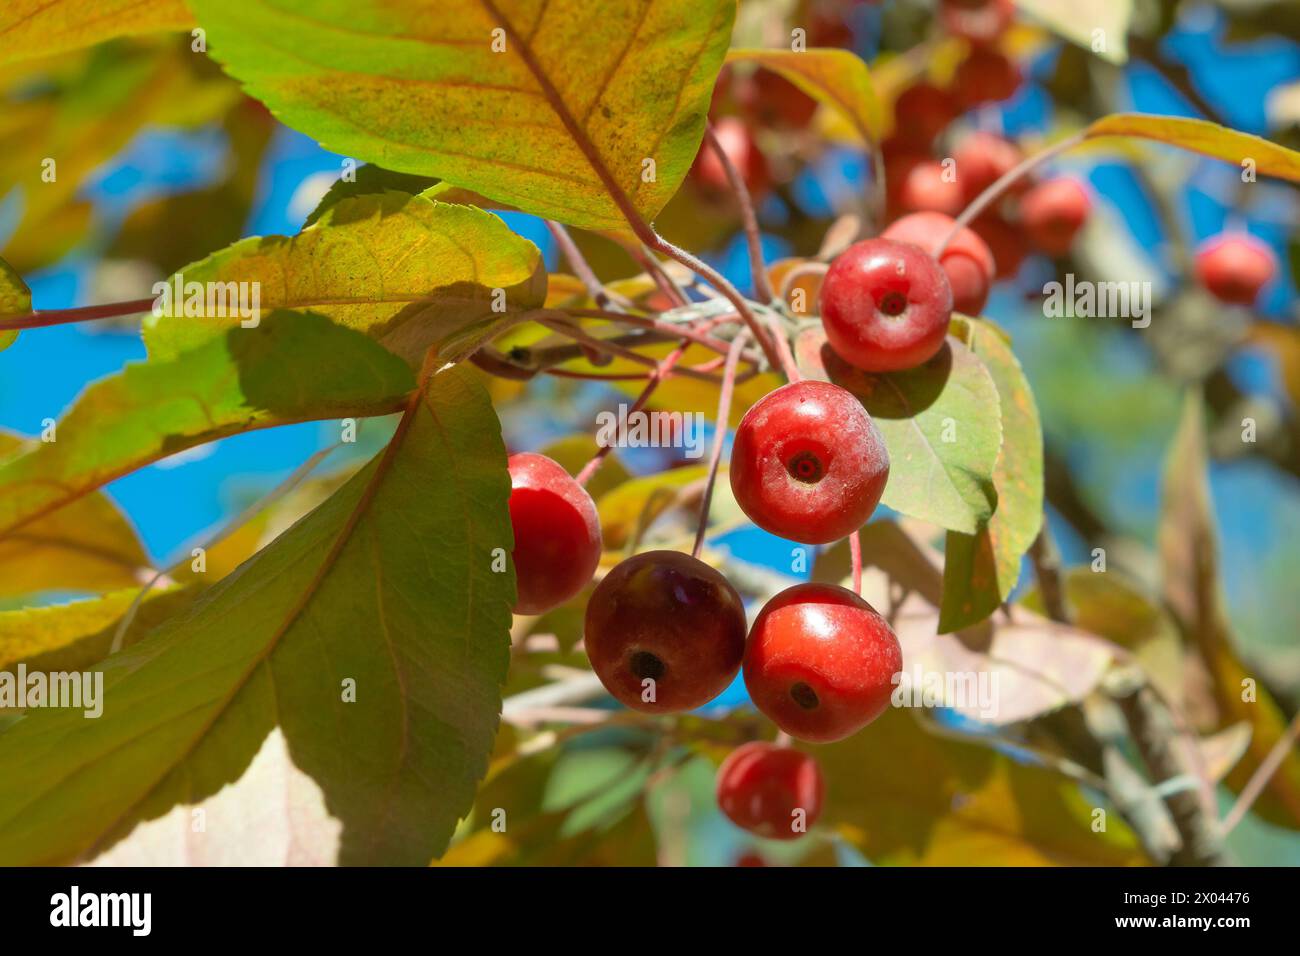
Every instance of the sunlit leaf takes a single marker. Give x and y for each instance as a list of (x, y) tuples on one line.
[(544, 107), (15, 299), (36, 28), (277, 645), (1097, 25), (633, 505), (980, 570), (367, 180), (837, 78), (1202, 136)]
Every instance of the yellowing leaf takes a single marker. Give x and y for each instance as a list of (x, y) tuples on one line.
[(553, 108), (1100, 26), (837, 78), (633, 505), (36, 28), (293, 367), (1201, 136), (404, 270), (373, 634), (15, 299)]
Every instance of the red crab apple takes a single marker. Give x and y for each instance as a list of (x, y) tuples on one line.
[(885, 305), (775, 101), (738, 143), (924, 184), (921, 113), (980, 21), (772, 791), (664, 632), (1053, 213), (820, 662), (984, 158), (985, 76), (1005, 239), (1235, 266), (968, 261), (808, 463), (557, 533)]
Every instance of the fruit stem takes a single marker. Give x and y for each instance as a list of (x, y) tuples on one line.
[(762, 283), (855, 558), (582, 269), (719, 435), (39, 320), (987, 197), (564, 328), (788, 365)]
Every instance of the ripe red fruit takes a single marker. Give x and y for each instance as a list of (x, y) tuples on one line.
[(1053, 213), (980, 21), (984, 158), (985, 76), (664, 632), (820, 662), (775, 101), (921, 113), (773, 791), (808, 463), (922, 184), (1235, 266), (885, 305), (968, 261), (737, 142), (1007, 242), (557, 533)]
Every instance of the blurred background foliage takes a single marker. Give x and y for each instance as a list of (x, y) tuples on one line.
[(162, 160)]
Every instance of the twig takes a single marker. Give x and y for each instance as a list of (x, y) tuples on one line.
[(855, 559), (1047, 568), (1260, 778), (40, 320), (582, 269), (749, 221), (719, 436)]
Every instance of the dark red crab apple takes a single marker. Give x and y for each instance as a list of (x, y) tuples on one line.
[(772, 791), (885, 305), (1053, 212), (808, 463), (967, 261), (1235, 266), (557, 533), (664, 632), (820, 662)]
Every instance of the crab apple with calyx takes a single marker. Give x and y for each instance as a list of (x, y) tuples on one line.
[(1235, 266), (1053, 213), (885, 305), (775, 792), (979, 21), (664, 632), (967, 261), (820, 662), (986, 76), (738, 143), (557, 533), (808, 463)]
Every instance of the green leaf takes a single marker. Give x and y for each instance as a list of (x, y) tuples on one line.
[(940, 423), (1202, 136), (368, 180), (837, 78), (400, 268), (88, 546), (293, 367), (558, 123), (980, 570), (1188, 541), (1080, 20), (37, 28), (907, 797), (389, 583), (15, 299)]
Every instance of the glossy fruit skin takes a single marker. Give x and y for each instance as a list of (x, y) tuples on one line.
[(820, 662), (967, 261), (738, 143), (557, 533), (1235, 266), (980, 21), (984, 158), (760, 787), (1053, 213), (808, 463), (885, 305), (669, 617), (986, 76)]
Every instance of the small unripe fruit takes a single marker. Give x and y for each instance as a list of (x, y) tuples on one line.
[(664, 632), (1235, 266), (820, 662), (557, 533), (775, 792), (986, 76), (1053, 213), (968, 261), (808, 463), (885, 305), (737, 142)]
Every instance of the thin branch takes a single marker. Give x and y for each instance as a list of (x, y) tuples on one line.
[(1260, 778), (85, 313), (749, 221), (855, 559), (582, 269), (719, 436), (1047, 569)]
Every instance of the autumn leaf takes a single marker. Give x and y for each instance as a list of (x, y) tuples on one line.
[(1202, 136), (15, 299), (837, 78), (1099, 26), (36, 28)]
